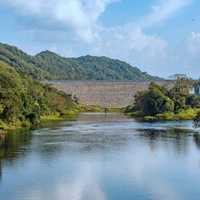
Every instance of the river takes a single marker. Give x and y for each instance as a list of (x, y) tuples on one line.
[(102, 157)]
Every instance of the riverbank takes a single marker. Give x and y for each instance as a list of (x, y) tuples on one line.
[(26, 125), (2, 134), (187, 114), (97, 109), (46, 119)]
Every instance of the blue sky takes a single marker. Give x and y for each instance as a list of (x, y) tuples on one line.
[(161, 37)]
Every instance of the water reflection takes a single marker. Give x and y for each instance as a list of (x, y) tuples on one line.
[(103, 158), (197, 140), (178, 139), (13, 144), (0, 171)]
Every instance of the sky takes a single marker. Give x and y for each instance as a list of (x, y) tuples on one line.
[(161, 37)]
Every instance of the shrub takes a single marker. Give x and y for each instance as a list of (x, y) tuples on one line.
[(149, 118), (166, 116), (153, 101)]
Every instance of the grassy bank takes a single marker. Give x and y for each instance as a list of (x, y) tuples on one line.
[(45, 119), (2, 135), (70, 115), (187, 114), (95, 108), (27, 125)]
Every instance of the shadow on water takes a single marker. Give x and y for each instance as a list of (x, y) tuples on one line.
[(196, 138), (11, 148), (0, 170), (174, 138), (12, 143), (16, 143)]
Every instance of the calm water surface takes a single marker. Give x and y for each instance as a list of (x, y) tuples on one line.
[(100, 157)]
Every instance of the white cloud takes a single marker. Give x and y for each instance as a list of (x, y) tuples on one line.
[(132, 45), (79, 15), (189, 54), (82, 15), (82, 185), (162, 11), (131, 42), (194, 44)]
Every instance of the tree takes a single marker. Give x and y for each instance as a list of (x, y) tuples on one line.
[(180, 92), (22, 99), (153, 101), (193, 101), (196, 121)]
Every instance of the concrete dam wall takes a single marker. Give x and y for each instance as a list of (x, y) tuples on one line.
[(104, 93)]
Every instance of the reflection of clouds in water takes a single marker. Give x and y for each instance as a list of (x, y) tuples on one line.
[(144, 169), (83, 186), (138, 165)]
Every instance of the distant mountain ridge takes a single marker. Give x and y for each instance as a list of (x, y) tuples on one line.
[(48, 65)]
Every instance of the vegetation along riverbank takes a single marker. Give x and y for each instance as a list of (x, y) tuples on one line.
[(162, 103), (24, 102)]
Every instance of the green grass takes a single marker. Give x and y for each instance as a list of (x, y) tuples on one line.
[(69, 115), (149, 118), (95, 108), (115, 110), (14, 125), (91, 108), (187, 114)]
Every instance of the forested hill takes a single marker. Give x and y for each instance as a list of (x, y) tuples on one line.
[(24, 101), (89, 68), (51, 66), (22, 62)]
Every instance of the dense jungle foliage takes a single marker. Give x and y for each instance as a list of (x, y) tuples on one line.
[(24, 101), (51, 66)]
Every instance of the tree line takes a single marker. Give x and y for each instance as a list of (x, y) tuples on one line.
[(161, 101)]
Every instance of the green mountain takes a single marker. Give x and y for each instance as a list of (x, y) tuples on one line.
[(51, 66), (59, 67), (22, 62)]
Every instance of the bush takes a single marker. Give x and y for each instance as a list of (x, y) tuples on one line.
[(197, 120), (2, 125), (153, 101), (193, 101), (149, 118), (166, 116), (162, 104), (187, 114)]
